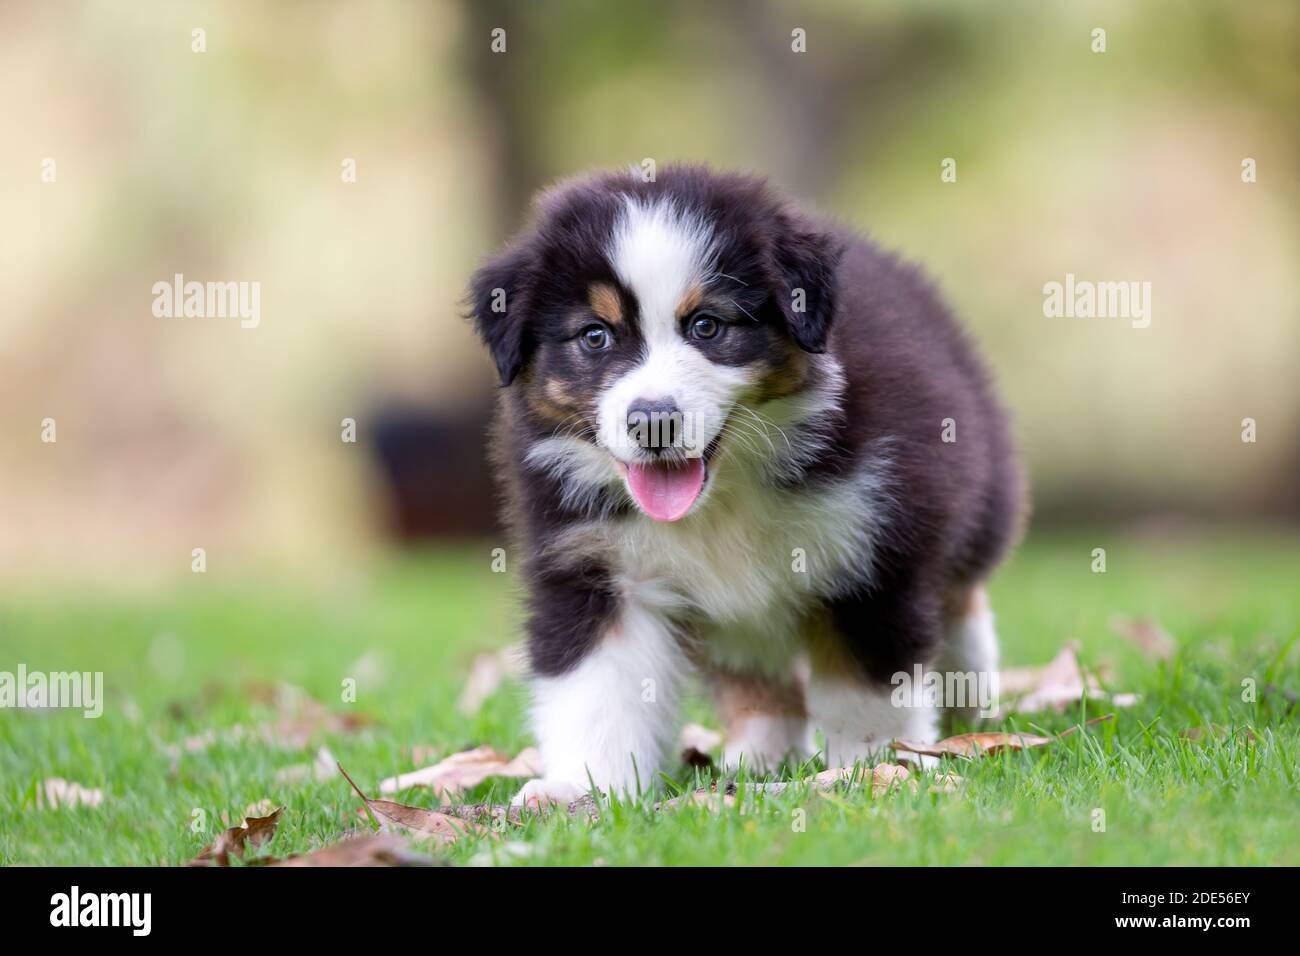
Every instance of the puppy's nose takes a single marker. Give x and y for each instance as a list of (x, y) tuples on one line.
[(654, 424)]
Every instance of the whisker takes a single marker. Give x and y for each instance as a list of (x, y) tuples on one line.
[(743, 309), (767, 423)]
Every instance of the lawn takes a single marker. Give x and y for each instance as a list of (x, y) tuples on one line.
[(202, 656)]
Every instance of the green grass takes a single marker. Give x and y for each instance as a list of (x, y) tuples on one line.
[(183, 661)]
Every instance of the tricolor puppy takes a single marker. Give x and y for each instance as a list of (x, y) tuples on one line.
[(739, 442)]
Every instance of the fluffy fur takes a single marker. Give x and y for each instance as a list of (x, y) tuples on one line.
[(838, 539)]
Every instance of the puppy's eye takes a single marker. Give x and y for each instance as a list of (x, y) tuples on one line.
[(595, 338), (704, 326)]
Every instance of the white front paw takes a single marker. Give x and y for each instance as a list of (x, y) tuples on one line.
[(542, 792)]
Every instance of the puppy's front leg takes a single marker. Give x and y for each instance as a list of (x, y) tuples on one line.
[(605, 712)]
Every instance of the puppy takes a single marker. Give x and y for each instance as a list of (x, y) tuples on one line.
[(740, 442)]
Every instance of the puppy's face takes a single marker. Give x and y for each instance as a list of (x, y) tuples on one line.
[(646, 320)]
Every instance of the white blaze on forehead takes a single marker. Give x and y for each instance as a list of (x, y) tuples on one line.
[(658, 252)]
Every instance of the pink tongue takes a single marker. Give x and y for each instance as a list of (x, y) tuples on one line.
[(666, 492)]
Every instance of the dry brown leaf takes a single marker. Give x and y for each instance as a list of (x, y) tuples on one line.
[(486, 674), (1057, 685), (467, 769), (1148, 636), (260, 808), (55, 792), (974, 745), (371, 849), (883, 776), (987, 742), (255, 832), (424, 824)]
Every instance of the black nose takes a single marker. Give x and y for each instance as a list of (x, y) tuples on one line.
[(654, 425)]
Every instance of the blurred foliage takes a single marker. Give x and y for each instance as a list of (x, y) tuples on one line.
[(226, 165)]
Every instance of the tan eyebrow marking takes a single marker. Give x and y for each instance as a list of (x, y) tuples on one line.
[(605, 302), (691, 301)]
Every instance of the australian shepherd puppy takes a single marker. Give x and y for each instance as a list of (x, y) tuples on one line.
[(739, 442)]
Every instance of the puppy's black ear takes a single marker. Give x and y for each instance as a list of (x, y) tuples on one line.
[(804, 260), (498, 303)]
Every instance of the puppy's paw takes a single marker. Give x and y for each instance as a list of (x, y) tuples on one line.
[(762, 742), (539, 793)]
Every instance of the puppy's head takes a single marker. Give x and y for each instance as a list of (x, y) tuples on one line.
[(636, 320)]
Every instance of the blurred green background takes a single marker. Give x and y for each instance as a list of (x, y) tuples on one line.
[(226, 165)]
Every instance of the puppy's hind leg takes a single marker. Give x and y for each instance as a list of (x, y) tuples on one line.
[(864, 691), (860, 718), (763, 718)]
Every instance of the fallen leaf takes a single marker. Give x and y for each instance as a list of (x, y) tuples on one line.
[(1057, 685), (424, 824), (255, 832), (987, 742), (55, 792), (486, 674), (883, 776), (1147, 636), (371, 849), (973, 745), (466, 769), (261, 808)]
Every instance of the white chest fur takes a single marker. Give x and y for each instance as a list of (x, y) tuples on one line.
[(752, 557)]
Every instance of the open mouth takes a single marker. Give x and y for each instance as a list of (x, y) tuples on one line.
[(666, 490)]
